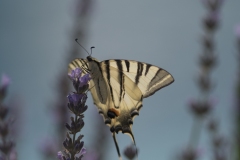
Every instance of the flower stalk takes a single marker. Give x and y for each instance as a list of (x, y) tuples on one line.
[(76, 104), (237, 95), (201, 107), (6, 142)]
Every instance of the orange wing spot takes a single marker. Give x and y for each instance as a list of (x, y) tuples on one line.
[(116, 111)]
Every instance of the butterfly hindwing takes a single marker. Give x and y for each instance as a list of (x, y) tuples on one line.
[(131, 81), (124, 93)]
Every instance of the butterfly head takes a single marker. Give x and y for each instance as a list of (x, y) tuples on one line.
[(90, 59)]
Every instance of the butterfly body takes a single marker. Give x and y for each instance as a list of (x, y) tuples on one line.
[(118, 88)]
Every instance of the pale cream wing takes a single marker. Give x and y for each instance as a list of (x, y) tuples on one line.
[(147, 77)]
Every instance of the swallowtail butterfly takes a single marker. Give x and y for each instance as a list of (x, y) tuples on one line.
[(118, 88)]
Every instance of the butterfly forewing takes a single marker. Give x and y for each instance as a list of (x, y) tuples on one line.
[(148, 78)]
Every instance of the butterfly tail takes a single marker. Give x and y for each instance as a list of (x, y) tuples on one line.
[(134, 142), (116, 145)]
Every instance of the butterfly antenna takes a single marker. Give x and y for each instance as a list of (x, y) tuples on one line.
[(91, 50), (116, 145), (82, 47)]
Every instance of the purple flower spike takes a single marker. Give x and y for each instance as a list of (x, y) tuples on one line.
[(76, 103)]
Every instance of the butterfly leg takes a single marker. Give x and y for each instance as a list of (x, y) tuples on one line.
[(116, 145)]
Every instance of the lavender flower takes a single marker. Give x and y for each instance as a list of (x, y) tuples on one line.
[(76, 104), (81, 13), (6, 143), (207, 61)]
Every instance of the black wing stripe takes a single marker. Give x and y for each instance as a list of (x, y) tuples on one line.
[(85, 66), (147, 69), (99, 89), (75, 64), (156, 74), (99, 86), (139, 72), (127, 64), (108, 77), (79, 63), (120, 78)]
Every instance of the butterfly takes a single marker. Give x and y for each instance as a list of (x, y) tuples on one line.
[(118, 88)]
